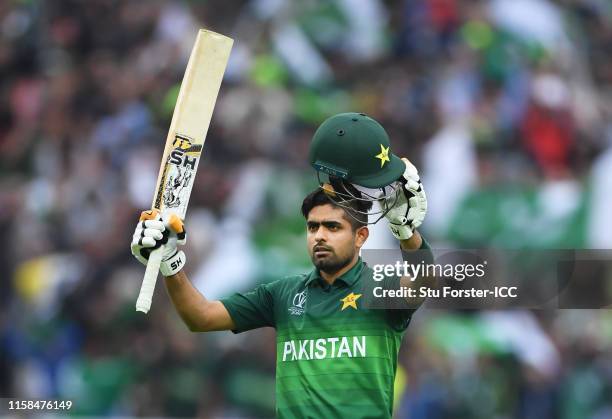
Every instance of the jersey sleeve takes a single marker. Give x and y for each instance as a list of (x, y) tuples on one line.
[(399, 312), (400, 319), (252, 309)]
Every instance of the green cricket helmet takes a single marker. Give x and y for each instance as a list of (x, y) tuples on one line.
[(352, 156), (354, 147)]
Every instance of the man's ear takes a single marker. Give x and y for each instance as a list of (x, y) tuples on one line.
[(361, 235)]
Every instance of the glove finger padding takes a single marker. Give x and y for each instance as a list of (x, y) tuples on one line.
[(150, 234), (410, 172), (153, 231), (410, 207), (175, 224), (149, 230)]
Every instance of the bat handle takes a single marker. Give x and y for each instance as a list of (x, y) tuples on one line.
[(145, 297)]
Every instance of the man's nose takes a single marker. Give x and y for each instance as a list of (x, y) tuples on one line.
[(320, 235)]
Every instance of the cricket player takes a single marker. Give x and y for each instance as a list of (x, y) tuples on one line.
[(335, 357)]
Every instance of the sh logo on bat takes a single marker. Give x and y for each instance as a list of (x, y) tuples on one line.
[(185, 153), (179, 174)]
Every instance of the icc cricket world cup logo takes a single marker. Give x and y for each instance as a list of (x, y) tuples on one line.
[(297, 307)]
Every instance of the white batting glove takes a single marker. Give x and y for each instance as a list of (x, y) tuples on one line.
[(410, 206), (151, 232)]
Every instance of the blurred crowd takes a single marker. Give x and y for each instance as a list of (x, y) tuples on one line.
[(504, 105)]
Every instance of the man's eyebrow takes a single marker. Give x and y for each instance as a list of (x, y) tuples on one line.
[(326, 223), (331, 223)]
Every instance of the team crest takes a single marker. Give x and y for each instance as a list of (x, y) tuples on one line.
[(350, 301), (383, 156)]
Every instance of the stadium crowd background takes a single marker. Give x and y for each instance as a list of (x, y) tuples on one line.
[(504, 105)]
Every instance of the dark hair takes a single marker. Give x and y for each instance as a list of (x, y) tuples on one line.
[(356, 219)]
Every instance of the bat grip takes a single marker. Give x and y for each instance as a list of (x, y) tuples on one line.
[(145, 297)]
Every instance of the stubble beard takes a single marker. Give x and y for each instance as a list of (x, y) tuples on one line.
[(331, 264)]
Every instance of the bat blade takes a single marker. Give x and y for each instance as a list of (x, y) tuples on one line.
[(185, 141)]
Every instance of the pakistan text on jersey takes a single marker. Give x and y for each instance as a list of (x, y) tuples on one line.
[(334, 347)]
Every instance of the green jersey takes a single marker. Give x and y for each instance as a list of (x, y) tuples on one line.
[(335, 358)]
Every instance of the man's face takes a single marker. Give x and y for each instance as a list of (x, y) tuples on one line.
[(332, 243)]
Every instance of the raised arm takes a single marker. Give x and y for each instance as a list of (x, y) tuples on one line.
[(417, 243), (198, 313), (404, 218)]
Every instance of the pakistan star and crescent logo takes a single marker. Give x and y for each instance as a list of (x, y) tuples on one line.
[(350, 301), (383, 156)]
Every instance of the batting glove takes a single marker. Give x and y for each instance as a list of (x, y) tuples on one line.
[(151, 232), (409, 206)]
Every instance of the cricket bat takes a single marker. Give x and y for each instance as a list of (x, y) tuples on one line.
[(190, 122)]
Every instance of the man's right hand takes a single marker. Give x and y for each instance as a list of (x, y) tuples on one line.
[(409, 206), (151, 232)]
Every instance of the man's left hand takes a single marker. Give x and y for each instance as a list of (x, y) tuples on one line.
[(409, 204)]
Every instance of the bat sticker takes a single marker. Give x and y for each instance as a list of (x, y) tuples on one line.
[(185, 144), (177, 185), (180, 166)]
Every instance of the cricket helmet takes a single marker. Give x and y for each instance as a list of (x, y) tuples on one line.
[(352, 153), (354, 147)]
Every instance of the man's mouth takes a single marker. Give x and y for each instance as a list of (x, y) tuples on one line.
[(321, 250)]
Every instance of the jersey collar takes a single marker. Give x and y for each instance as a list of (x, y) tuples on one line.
[(349, 277)]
